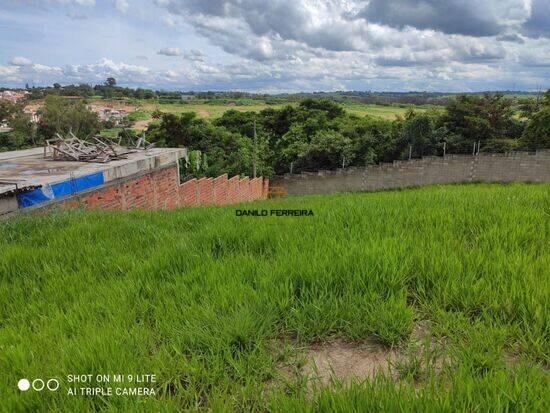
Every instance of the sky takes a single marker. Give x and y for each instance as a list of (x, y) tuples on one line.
[(276, 46)]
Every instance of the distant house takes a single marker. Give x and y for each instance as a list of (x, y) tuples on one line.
[(108, 114), (112, 115), (187, 98), (13, 96)]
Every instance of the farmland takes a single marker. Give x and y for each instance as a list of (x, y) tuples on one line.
[(215, 110), (142, 110), (448, 284)]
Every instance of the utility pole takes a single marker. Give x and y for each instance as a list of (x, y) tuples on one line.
[(254, 159), (444, 148), (410, 152)]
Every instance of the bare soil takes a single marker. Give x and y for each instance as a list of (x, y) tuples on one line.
[(343, 361)]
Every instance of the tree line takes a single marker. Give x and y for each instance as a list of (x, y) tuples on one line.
[(319, 134), (311, 135)]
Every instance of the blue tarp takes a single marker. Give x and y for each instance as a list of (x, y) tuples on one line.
[(60, 189)]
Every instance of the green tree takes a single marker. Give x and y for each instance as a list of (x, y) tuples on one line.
[(419, 133), (61, 115), (7, 109), (111, 81), (472, 118), (327, 150), (537, 132)]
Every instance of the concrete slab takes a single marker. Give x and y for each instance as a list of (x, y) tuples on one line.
[(30, 168)]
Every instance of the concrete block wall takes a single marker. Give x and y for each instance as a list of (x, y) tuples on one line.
[(160, 189), (514, 167)]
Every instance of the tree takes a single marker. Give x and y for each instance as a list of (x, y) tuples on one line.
[(536, 134), (111, 81), (326, 150), (7, 109), (418, 132), (332, 109), (61, 115), (471, 118), (56, 86)]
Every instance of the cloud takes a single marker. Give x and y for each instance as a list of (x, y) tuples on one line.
[(76, 15), (511, 37), (466, 17), (87, 3), (538, 24), (290, 45), (20, 61), (315, 23), (194, 55), (169, 51), (122, 5)]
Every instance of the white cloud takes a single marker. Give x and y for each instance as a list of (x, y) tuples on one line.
[(169, 51), (122, 5), (309, 44), (73, 2), (20, 61)]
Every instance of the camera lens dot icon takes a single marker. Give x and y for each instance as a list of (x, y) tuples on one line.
[(24, 384)]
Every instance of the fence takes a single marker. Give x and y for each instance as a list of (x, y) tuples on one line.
[(482, 167)]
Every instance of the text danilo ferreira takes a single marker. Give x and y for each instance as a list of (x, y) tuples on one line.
[(274, 212)]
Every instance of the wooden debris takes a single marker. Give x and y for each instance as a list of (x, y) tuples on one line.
[(100, 149)]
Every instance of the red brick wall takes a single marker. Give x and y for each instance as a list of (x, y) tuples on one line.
[(156, 190), (265, 189), (189, 193), (160, 190), (206, 191), (220, 190), (244, 190), (233, 190)]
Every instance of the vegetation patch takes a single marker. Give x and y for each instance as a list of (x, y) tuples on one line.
[(200, 298)]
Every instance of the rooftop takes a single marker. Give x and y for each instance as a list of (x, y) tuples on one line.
[(29, 168)]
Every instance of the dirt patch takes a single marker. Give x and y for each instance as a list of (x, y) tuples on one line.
[(203, 114), (141, 125), (343, 361), (322, 364)]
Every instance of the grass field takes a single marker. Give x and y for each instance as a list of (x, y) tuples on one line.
[(212, 111), (216, 110), (226, 310), (142, 110)]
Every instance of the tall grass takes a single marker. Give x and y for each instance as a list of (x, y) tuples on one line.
[(199, 297)]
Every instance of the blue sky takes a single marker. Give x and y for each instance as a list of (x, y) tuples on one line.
[(278, 45)]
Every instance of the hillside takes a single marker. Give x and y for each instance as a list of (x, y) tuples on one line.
[(428, 299)]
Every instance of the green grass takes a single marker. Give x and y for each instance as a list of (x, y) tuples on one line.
[(209, 110), (380, 111), (111, 133), (216, 108), (199, 297)]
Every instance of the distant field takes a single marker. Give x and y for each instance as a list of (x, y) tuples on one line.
[(143, 109), (425, 300), (384, 112), (206, 110)]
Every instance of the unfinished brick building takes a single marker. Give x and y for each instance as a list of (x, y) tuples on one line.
[(147, 179)]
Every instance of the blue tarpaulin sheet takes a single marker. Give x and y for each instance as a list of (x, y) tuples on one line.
[(60, 189)]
